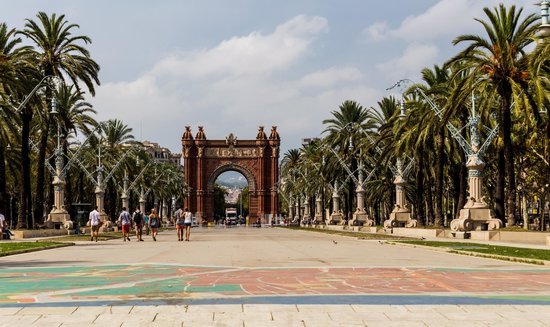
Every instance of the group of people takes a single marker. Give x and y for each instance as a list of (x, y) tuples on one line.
[(138, 221)]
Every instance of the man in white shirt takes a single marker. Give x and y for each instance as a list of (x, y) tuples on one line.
[(95, 220)]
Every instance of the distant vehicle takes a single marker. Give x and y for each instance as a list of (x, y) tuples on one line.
[(231, 216)]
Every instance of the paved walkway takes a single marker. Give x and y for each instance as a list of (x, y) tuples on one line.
[(267, 277)]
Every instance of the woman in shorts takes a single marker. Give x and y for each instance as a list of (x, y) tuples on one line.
[(154, 223), (187, 223), (179, 215)]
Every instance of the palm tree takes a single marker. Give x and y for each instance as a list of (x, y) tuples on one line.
[(16, 80), (290, 165), (116, 133), (58, 54), (73, 117), (344, 132), (437, 87), (501, 66), (11, 60)]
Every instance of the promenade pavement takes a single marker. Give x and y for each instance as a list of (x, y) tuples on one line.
[(267, 277)]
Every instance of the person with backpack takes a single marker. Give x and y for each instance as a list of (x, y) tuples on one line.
[(125, 221), (137, 217), (154, 223), (179, 222)]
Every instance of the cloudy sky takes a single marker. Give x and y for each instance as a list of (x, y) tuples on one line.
[(232, 65)]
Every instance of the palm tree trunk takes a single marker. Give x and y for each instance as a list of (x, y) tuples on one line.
[(419, 200), (430, 203), (81, 187), (500, 187), (40, 174), (439, 178), (24, 219), (509, 159), (68, 183)]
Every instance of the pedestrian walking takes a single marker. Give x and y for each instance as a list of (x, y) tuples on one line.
[(125, 221), (154, 224), (179, 215), (94, 220), (2, 223), (187, 223), (137, 217), (146, 223)]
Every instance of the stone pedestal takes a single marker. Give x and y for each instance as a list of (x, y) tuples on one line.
[(361, 218), (99, 200), (59, 217), (336, 217), (401, 215), (476, 214), (318, 210), (476, 219)]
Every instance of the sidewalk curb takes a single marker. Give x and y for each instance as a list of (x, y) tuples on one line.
[(475, 254), (55, 246)]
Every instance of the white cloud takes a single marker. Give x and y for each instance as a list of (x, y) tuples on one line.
[(231, 88), (447, 18), (252, 54), (415, 57), (377, 31), (330, 77)]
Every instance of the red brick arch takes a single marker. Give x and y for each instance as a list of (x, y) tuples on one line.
[(258, 160)]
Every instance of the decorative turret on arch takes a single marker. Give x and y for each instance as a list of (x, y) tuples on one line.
[(258, 160)]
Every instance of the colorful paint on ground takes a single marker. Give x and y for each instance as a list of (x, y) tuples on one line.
[(171, 283)]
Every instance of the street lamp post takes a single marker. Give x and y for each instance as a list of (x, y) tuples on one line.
[(124, 195), (336, 217), (401, 214), (58, 215), (476, 214)]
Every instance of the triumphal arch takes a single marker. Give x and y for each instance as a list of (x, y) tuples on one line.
[(204, 160)]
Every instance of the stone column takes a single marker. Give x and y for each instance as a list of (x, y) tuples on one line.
[(142, 202), (401, 214), (318, 209), (165, 213), (124, 195), (307, 214), (475, 215), (290, 208), (336, 216), (99, 200), (360, 216), (59, 215), (297, 210)]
